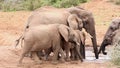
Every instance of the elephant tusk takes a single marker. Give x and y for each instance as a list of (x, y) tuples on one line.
[(89, 35), (77, 43)]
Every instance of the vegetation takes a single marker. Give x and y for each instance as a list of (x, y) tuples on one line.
[(115, 54), (15, 5), (116, 1)]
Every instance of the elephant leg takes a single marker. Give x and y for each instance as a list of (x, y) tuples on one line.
[(56, 50), (62, 55), (67, 49), (35, 57), (72, 52), (47, 53), (40, 54), (78, 52), (24, 52), (22, 56), (82, 50), (55, 56)]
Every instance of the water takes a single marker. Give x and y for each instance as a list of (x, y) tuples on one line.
[(90, 57)]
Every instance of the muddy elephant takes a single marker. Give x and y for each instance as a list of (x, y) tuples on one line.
[(69, 47), (67, 16), (47, 36), (107, 40)]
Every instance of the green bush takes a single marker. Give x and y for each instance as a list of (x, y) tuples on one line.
[(11, 5), (15, 5), (62, 3), (115, 54)]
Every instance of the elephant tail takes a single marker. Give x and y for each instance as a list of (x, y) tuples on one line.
[(18, 40)]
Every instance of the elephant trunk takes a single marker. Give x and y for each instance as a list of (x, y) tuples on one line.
[(102, 48), (90, 28), (106, 41), (78, 51)]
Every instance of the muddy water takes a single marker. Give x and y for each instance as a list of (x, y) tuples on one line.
[(90, 56)]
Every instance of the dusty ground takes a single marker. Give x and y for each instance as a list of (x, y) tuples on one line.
[(12, 25), (9, 58)]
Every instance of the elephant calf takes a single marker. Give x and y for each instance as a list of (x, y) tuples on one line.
[(47, 36), (69, 47)]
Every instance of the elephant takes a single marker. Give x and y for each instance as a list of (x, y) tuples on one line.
[(69, 47), (116, 37), (107, 40), (47, 36), (71, 17)]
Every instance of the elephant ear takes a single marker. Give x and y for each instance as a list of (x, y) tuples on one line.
[(64, 32), (74, 21)]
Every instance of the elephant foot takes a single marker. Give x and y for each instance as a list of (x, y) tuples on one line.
[(67, 59), (74, 62), (43, 58), (19, 65), (38, 62), (54, 62), (62, 60), (72, 58), (77, 59), (81, 60)]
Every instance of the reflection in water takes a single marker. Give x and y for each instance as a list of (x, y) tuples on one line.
[(91, 58)]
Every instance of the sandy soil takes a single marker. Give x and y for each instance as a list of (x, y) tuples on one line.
[(12, 24), (10, 56)]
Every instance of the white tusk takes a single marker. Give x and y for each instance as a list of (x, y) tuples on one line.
[(77, 43), (90, 35)]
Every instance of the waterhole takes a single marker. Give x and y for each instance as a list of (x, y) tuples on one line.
[(90, 56)]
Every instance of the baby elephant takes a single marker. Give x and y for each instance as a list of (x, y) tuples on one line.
[(47, 36), (69, 47)]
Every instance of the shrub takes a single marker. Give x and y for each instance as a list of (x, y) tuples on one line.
[(62, 3), (15, 5), (115, 54), (11, 5), (116, 1)]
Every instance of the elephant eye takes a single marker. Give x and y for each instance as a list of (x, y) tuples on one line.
[(111, 27), (73, 35)]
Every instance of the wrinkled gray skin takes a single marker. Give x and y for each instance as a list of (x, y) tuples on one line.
[(115, 24), (116, 37), (47, 36), (70, 17), (69, 47)]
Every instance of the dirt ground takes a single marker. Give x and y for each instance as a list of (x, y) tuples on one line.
[(10, 56), (12, 24)]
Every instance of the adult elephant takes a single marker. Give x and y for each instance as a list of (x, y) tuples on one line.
[(108, 36), (69, 16)]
